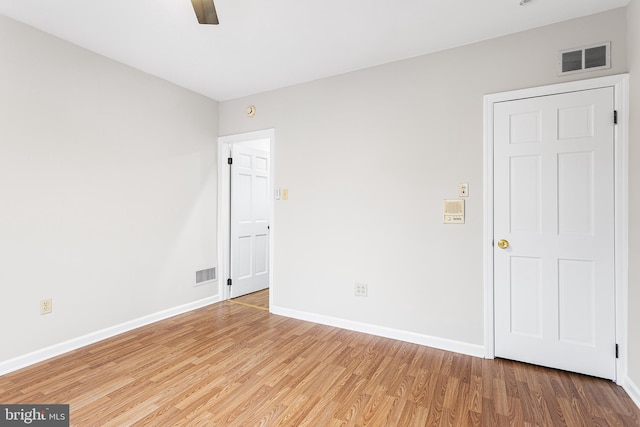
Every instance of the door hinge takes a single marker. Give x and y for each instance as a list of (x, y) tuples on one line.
[(228, 282), (229, 161), (617, 351), (615, 117)]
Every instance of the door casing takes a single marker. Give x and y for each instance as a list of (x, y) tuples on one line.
[(224, 205), (620, 83)]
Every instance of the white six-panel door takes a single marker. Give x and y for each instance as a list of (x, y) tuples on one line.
[(249, 220), (553, 203)]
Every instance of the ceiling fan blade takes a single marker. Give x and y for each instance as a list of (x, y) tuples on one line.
[(205, 11)]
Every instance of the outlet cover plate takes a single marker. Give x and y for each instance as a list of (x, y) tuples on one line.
[(361, 290), (46, 306)]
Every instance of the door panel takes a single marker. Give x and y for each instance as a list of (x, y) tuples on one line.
[(262, 253), (244, 256), (553, 202), (525, 293), (524, 194), (249, 220), (576, 283), (576, 193)]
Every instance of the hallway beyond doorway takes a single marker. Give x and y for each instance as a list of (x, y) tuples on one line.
[(258, 300)]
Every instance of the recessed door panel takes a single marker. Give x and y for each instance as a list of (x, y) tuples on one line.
[(575, 122), (262, 254), (243, 160), (245, 255), (261, 164), (576, 193), (525, 204), (524, 127), (577, 304), (526, 292), (260, 195), (244, 199)]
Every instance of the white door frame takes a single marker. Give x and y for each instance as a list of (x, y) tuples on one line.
[(224, 205), (620, 83)]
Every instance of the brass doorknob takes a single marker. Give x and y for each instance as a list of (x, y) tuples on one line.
[(503, 244)]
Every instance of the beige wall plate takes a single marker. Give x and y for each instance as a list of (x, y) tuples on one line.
[(454, 211), (251, 111)]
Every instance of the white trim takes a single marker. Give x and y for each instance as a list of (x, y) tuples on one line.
[(487, 244), (632, 390), (622, 224), (620, 83), (93, 337), (224, 143), (381, 331)]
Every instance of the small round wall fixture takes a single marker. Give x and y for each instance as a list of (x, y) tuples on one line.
[(251, 111)]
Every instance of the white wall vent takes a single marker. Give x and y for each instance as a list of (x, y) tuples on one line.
[(205, 275), (588, 58)]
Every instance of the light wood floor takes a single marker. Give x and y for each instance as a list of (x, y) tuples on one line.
[(258, 299), (230, 364)]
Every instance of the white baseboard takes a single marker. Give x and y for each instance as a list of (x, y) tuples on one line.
[(632, 390), (93, 337), (397, 334)]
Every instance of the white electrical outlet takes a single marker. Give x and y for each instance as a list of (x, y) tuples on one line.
[(361, 290), (46, 306)]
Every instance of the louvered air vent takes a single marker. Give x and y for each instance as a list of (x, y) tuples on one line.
[(205, 275), (588, 58)]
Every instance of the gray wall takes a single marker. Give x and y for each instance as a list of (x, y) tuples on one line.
[(633, 23), (108, 190), (368, 158)]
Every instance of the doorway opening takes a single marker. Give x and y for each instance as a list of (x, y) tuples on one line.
[(245, 213), (258, 300)]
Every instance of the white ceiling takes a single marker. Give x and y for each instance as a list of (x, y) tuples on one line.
[(267, 44)]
